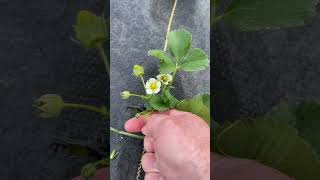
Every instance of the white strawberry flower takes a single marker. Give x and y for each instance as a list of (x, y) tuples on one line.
[(164, 78), (153, 86)]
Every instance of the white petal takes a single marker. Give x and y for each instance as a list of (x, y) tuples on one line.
[(152, 80), (166, 83), (149, 91), (158, 84), (159, 77), (148, 84), (169, 77), (156, 90)]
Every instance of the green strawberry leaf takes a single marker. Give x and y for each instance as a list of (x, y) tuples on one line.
[(157, 103), (147, 106), (90, 29), (308, 123), (305, 117), (272, 142), (204, 98), (195, 106), (252, 15), (166, 65), (195, 61), (179, 43), (170, 99)]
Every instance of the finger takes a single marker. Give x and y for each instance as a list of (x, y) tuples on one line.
[(148, 162), (152, 123), (148, 144), (134, 124), (153, 176)]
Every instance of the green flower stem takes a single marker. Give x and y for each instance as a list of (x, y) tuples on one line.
[(144, 113), (144, 84), (101, 110), (169, 24), (137, 95), (126, 133), (174, 72), (104, 58)]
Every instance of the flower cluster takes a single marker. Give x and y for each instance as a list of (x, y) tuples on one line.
[(152, 86), (180, 56)]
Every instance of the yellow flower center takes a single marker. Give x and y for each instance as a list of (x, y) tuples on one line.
[(153, 86), (164, 78)]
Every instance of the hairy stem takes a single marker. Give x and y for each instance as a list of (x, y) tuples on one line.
[(137, 95), (174, 72), (170, 23), (144, 84), (104, 58), (101, 110), (126, 133)]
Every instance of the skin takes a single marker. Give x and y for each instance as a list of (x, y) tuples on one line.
[(177, 147), (225, 168)]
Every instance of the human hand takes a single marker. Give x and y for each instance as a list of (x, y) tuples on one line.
[(177, 145)]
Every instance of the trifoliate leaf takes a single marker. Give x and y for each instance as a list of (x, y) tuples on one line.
[(179, 43), (271, 142), (158, 103), (195, 106), (169, 98), (166, 65), (90, 29), (195, 61), (251, 15), (305, 117)]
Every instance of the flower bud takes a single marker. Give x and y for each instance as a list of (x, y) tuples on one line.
[(49, 105), (138, 70), (113, 154), (125, 95), (88, 171)]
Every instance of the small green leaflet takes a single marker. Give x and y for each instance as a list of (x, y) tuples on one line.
[(90, 29), (196, 106), (179, 43), (195, 61), (157, 103), (170, 99), (272, 142), (166, 65), (252, 15)]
